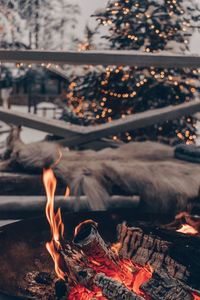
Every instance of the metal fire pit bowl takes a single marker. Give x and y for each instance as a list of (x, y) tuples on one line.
[(22, 244)]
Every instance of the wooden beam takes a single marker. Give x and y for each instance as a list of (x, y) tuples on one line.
[(56, 127), (110, 57), (26, 206), (76, 135), (139, 120)]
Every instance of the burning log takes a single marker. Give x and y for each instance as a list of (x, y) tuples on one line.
[(162, 286), (149, 249), (82, 263), (88, 239), (113, 289), (79, 272)]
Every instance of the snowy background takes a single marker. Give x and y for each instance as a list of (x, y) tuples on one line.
[(89, 6)]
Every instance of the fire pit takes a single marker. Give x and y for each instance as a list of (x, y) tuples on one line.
[(27, 270), (102, 255)]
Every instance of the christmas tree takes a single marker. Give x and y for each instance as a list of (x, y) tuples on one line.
[(114, 92)]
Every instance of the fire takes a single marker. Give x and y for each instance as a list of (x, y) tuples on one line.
[(143, 275), (116, 247), (131, 275), (195, 296), (127, 273), (67, 192), (81, 293), (56, 258), (187, 229), (55, 220)]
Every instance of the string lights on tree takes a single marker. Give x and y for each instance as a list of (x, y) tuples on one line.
[(114, 92)]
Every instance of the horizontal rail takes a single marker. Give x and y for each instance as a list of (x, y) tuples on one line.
[(104, 57), (56, 127), (76, 135), (135, 121)]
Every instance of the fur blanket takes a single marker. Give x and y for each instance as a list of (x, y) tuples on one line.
[(147, 169)]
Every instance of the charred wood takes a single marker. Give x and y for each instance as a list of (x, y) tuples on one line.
[(45, 286), (88, 239), (149, 249), (114, 290), (78, 273), (162, 286)]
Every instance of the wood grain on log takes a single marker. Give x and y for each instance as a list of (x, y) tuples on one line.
[(165, 287), (149, 249), (78, 272), (113, 289), (88, 239)]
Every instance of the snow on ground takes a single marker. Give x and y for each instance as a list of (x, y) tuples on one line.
[(29, 135)]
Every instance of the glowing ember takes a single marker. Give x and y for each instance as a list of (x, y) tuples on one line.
[(143, 275), (81, 293), (132, 276), (187, 229), (116, 248)]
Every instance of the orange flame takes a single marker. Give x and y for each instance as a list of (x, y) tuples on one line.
[(81, 293), (142, 276), (187, 229), (67, 192), (56, 258), (55, 220), (116, 248), (195, 296)]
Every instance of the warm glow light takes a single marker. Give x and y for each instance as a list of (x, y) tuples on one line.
[(187, 229), (142, 276), (196, 297), (116, 247), (55, 220), (67, 192), (56, 258), (81, 293)]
